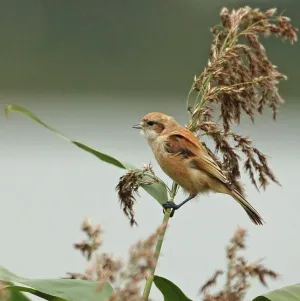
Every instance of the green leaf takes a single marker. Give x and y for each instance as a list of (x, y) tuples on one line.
[(170, 291), (17, 295), (157, 190), (287, 293), (57, 289), (14, 294)]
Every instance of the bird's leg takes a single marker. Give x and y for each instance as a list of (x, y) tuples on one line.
[(174, 206)]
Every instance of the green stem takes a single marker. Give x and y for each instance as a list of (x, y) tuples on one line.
[(159, 244)]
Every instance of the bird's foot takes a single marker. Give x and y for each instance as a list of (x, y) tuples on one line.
[(170, 205)]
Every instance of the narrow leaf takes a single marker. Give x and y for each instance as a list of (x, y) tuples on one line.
[(170, 291), (13, 294), (287, 293), (58, 289), (102, 156), (17, 295), (157, 190)]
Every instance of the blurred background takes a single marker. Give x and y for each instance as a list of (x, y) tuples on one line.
[(92, 69)]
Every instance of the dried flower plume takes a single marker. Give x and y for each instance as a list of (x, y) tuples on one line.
[(239, 79), (87, 247), (103, 267), (127, 278), (105, 264), (238, 275), (141, 261), (128, 186)]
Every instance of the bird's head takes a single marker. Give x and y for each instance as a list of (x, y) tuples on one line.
[(155, 124)]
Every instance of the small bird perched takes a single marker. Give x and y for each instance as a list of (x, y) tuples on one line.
[(186, 161)]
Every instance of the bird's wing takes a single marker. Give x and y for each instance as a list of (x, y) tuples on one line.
[(184, 143)]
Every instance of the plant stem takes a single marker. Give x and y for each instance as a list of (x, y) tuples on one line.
[(159, 244)]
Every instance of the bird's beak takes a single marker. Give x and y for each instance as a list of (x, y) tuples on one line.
[(137, 126)]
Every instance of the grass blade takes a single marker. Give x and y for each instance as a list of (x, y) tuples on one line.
[(157, 190)]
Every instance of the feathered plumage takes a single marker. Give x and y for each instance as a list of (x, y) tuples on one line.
[(184, 159)]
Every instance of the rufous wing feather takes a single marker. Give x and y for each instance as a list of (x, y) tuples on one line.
[(186, 144)]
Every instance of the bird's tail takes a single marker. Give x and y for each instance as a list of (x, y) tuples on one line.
[(252, 213)]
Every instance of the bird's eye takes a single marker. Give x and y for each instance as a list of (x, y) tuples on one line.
[(150, 123)]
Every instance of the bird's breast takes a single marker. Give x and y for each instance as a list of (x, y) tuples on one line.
[(178, 169)]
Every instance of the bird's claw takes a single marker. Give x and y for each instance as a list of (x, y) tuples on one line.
[(170, 205)]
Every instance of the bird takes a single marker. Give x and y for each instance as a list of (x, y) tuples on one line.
[(182, 156)]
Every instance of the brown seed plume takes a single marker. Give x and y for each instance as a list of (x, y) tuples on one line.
[(128, 186), (239, 274), (239, 79)]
